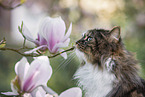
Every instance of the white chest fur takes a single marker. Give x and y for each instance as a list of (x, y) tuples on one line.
[(95, 82)]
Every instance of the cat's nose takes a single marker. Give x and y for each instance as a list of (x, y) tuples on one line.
[(80, 41), (77, 42)]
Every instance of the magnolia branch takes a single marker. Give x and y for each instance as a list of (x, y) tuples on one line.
[(34, 55), (9, 7), (17, 51), (70, 49)]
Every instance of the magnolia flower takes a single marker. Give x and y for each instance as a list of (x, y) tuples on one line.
[(30, 76), (72, 92), (39, 92), (51, 35)]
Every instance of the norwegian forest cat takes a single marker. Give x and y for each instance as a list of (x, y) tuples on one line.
[(108, 69)]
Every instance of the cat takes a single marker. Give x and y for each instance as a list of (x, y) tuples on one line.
[(108, 69)]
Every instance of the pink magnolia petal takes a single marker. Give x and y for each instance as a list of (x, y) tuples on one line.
[(51, 42), (28, 84), (53, 31), (41, 40), (47, 33), (21, 68), (39, 73), (9, 93), (27, 34), (68, 33), (59, 28), (45, 68), (60, 45), (72, 92), (35, 49)]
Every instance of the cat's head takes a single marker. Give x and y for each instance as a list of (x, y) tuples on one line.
[(98, 43)]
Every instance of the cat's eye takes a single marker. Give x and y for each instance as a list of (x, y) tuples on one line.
[(90, 38)]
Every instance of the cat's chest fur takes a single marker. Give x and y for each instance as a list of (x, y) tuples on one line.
[(95, 82)]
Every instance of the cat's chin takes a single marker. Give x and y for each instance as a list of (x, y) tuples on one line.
[(78, 48), (80, 55)]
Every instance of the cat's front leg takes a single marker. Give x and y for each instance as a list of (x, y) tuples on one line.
[(118, 91)]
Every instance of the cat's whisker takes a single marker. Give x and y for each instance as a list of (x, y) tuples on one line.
[(67, 62), (64, 62)]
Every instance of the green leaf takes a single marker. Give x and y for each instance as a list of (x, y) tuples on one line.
[(2, 45), (20, 30), (21, 25)]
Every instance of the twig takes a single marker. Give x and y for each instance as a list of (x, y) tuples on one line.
[(8, 7), (17, 51), (22, 48), (32, 54), (70, 49), (24, 43)]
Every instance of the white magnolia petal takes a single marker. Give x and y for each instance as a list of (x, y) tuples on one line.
[(43, 25), (64, 44), (60, 45), (39, 92), (59, 28), (68, 33), (48, 95), (13, 88), (46, 28), (48, 33), (39, 73), (64, 55), (41, 28), (45, 68), (72, 92), (9, 93), (27, 34), (35, 49), (21, 68), (49, 90), (27, 95), (54, 27)]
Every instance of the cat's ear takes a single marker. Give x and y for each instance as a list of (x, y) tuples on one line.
[(115, 34)]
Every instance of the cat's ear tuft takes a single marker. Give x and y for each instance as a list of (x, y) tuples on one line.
[(115, 34)]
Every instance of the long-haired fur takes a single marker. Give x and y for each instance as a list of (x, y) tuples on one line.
[(104, 49)]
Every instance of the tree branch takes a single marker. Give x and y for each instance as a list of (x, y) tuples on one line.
[(34, 55), (70, 49), (17, 51), (8, 7)]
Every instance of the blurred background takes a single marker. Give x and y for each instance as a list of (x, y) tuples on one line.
[(84, 14)]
